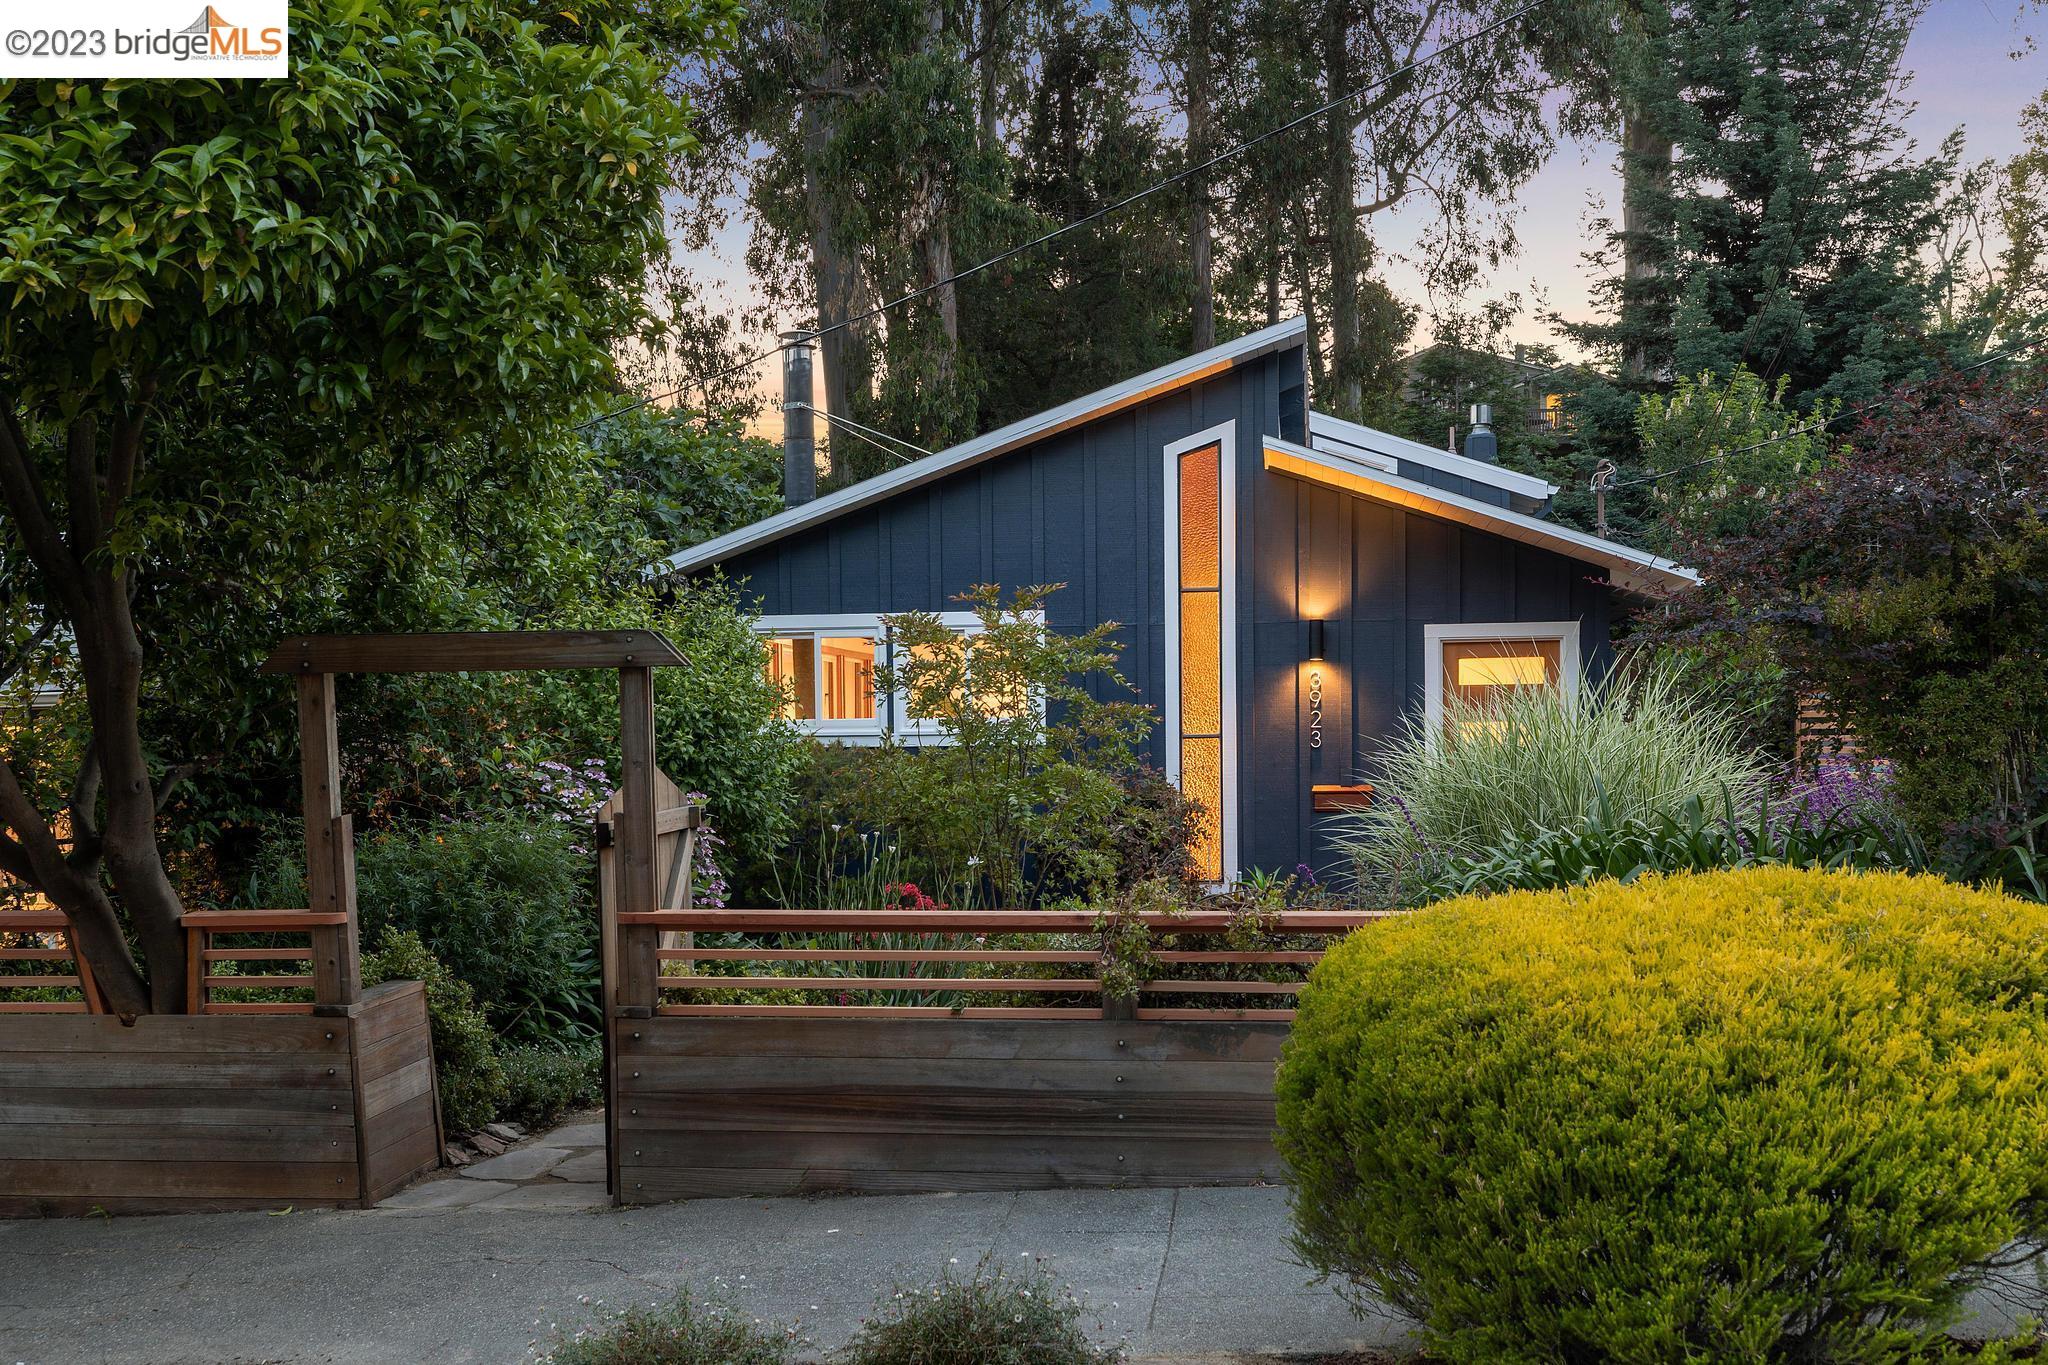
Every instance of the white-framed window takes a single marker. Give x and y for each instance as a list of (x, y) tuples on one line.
[(828, 668), (1477, 660), (1200, 542)]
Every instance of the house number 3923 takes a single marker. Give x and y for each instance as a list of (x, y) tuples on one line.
[(1315, 708)]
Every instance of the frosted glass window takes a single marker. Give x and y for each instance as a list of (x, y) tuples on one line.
[(1514, 670), (1478, 670), (1201, 519), (848, 664), (792, 665), (1201, 649), (1201, 779)]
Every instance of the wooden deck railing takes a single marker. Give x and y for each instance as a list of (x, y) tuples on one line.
[(204, 930), (43, 936), (976, 964)]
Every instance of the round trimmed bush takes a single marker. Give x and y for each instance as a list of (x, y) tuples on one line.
[(1757, 1115)]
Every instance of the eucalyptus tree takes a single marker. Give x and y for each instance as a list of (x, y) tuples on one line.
[(361, 290)]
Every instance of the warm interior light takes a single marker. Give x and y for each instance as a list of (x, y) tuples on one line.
[(1498, 670)]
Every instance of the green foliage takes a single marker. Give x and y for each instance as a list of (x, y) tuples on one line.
[(467, 1071), (1901, 582), (1643, 743), (986, 1318), (504, 901), (685, 1332), (683, 478), (298, 354), (1724, 451), (1770, 1115), (542, 1083), (1033, 770), (1694, 838)]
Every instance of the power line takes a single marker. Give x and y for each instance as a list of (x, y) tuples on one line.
[(1787, 434), (1097, 216), (872, 436)]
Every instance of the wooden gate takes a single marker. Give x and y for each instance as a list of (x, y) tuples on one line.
[(783, 1051)]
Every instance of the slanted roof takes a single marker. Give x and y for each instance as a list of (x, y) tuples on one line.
[(1131, 392), (1628, 568), (1383, 449)]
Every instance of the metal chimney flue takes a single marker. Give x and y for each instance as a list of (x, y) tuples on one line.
[(799, 430), (1480, 442)]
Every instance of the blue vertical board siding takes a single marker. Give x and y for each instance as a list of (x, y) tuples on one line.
[(1086, 507)]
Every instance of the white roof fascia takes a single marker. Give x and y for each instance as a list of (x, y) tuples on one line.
[(1631, 569), (1352, 439), (1129, 393)]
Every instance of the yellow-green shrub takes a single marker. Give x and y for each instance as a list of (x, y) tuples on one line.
[(1757, 1115)]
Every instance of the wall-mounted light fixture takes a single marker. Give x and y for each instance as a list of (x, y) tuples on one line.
[(1315, 642)]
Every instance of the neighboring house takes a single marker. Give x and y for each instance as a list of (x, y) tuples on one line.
[(1288, 585), (1543, 387)]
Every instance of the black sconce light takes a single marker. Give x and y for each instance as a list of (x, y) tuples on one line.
[(1315, 642)]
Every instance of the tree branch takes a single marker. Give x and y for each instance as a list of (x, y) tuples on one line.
[(27, 652), (14, 862), (172, 780), (85, 803), (81, 485), (22, 493)]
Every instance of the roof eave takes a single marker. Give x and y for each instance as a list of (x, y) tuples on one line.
[(1629, 569), (1130, 393)]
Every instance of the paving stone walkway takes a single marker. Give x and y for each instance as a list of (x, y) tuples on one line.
[(562, 1169)]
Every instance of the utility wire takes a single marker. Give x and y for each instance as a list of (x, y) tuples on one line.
[(1098, 215), (872, 436), (1787, 434)]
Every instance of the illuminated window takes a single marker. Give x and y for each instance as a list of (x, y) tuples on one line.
[(1478, 663), (826, 668), (1200, 590)]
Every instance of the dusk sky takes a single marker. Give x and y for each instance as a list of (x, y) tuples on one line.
[(1965, 73)]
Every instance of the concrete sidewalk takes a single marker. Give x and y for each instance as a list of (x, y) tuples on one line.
[(1170, 1273)]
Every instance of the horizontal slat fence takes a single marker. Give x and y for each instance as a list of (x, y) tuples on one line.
[(39, 972), (988, 964), (219, 938), (903, 1050)]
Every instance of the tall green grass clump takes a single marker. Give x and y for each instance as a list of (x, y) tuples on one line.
[(1644, 743)]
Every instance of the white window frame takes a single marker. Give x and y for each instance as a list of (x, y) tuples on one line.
[(892, 710), (1435, 637), (1224, 437)]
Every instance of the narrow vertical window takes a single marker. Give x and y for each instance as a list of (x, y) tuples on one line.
[(1201, 649)]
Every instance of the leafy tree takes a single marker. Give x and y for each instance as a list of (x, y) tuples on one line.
[(1470, 363), (1902, 580), (1034, 770), (358, 281), (1723, 453)]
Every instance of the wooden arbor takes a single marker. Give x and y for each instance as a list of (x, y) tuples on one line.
[(330, 843)]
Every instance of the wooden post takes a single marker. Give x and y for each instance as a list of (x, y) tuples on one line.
[(330, 846), (633, 849)]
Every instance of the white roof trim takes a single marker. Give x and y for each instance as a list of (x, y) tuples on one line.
[(1629, 568), (1361, 442), (1129, 393)]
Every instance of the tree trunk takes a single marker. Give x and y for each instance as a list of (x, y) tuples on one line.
[(835, 273), (935, 240), (93, 596), (1201, 129), (1645, 182), (1347, 251), (989, 68)]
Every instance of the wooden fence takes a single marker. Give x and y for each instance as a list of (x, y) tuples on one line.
[(264, 1093), (908, 1050)]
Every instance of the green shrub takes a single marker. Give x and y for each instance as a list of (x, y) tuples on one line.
[(467, 1070), (505, 902), (684, 1332), (1537, 760), (987, 1318), (542, 1083), (1758, 1115), (1693, 839)]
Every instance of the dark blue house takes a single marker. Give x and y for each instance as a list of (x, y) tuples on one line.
[(1289, 584)]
